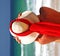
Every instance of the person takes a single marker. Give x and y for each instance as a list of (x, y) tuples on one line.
[(46, 15), (49, 15)]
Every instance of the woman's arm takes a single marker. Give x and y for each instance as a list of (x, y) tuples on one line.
[(48, 15)]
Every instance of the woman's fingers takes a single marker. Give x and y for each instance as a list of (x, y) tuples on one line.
[(44, 39), (17, 39)]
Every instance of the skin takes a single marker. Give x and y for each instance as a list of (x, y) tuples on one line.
[(45, 39)]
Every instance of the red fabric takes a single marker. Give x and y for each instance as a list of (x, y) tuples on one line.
[(47, 15), (40, 27), (46, 28), (20, 20)]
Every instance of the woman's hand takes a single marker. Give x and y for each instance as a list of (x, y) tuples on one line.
[(48, 15)]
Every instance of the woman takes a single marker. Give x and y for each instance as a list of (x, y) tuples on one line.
[(46, 15)]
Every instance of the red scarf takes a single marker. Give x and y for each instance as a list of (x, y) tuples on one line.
[(40, 27)]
